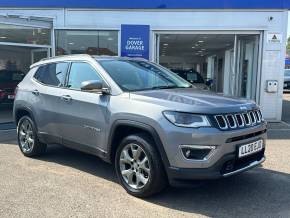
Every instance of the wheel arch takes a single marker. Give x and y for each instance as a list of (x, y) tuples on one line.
[(130, 127)]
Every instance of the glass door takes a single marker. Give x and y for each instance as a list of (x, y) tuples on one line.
[(247, 66)]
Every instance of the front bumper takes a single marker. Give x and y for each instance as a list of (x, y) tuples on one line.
[(226, 143), (228, 165)]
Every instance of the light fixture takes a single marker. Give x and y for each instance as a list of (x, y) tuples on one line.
[(200, 41), (3, 37), (192, 47), (203, 49), (165, 44), (110, 39), (71, 43)]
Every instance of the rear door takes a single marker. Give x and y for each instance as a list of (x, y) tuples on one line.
[(83, 114), (50, 79)]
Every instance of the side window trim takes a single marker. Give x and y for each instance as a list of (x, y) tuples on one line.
[(57, 62)]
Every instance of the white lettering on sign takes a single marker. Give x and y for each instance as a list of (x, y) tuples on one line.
[(274, 38), (136, 44)]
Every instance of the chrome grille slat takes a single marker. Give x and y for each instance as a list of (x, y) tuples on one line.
[(240, 117), (258, 116), (247, 119), (223, 125), (239, 120), (252, 117), (231, 121)]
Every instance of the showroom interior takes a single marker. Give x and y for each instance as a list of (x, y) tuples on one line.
[(229, 49)]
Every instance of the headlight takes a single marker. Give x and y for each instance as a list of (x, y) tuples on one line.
[(186, 119)]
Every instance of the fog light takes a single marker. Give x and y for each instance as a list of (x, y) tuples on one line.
[(197, 152)]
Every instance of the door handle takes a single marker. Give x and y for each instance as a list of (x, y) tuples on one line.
[(35, 92), (66, 98)]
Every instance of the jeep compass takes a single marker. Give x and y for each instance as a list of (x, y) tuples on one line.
[(154, 126)]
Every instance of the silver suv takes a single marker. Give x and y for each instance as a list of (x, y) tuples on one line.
[(152, 124)]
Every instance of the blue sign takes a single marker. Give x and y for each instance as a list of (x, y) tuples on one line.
[(135, 41), (151, 4)]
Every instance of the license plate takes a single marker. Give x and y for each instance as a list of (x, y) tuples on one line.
[(10, 96), (250, 148)]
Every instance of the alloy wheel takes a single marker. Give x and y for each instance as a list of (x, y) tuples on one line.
[(26, 136), (134, 166)]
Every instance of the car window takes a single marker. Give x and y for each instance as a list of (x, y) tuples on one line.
[(52, 74), (80, 72)]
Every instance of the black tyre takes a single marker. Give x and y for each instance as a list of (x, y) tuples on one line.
[(139, 167), (27, 138)]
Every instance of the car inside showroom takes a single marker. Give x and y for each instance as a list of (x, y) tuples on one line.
[(235, 50)]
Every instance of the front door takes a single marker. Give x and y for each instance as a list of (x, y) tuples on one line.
[(83, 114)]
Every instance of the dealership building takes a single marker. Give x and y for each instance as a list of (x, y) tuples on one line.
[(238, 46)]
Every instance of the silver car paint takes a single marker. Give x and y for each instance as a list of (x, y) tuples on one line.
[(88, 117)]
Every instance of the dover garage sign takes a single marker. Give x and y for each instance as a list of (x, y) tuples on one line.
[(135, 41)]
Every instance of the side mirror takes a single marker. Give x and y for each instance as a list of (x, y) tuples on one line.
[(95, 86)]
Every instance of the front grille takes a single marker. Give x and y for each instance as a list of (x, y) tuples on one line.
[(238, 120)]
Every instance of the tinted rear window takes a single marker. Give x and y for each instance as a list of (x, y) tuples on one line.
[(52, 74)]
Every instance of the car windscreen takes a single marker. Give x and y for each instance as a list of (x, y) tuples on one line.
[(137, 75)]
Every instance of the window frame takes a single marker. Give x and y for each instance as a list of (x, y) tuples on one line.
[(56, 62), (69, 71)]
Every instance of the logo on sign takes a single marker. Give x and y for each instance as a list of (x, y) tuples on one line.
[(135, 44)]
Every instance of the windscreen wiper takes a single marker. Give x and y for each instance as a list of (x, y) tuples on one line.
[(164, 87)]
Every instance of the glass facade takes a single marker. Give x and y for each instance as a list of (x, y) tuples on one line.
[(228, 63), (24, 35), (20, 46), (93, 42)]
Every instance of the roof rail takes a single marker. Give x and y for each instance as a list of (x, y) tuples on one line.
[(60, 56)]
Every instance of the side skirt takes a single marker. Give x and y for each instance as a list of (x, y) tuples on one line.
[(45, 138)]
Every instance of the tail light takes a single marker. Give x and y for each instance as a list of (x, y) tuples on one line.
[(1, 93)]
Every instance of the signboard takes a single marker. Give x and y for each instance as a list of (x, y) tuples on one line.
[(274, 38), (135, 41)]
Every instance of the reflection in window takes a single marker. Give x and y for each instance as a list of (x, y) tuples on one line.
[(26, 35), (81, 72), (87, 42), (52, 74)]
